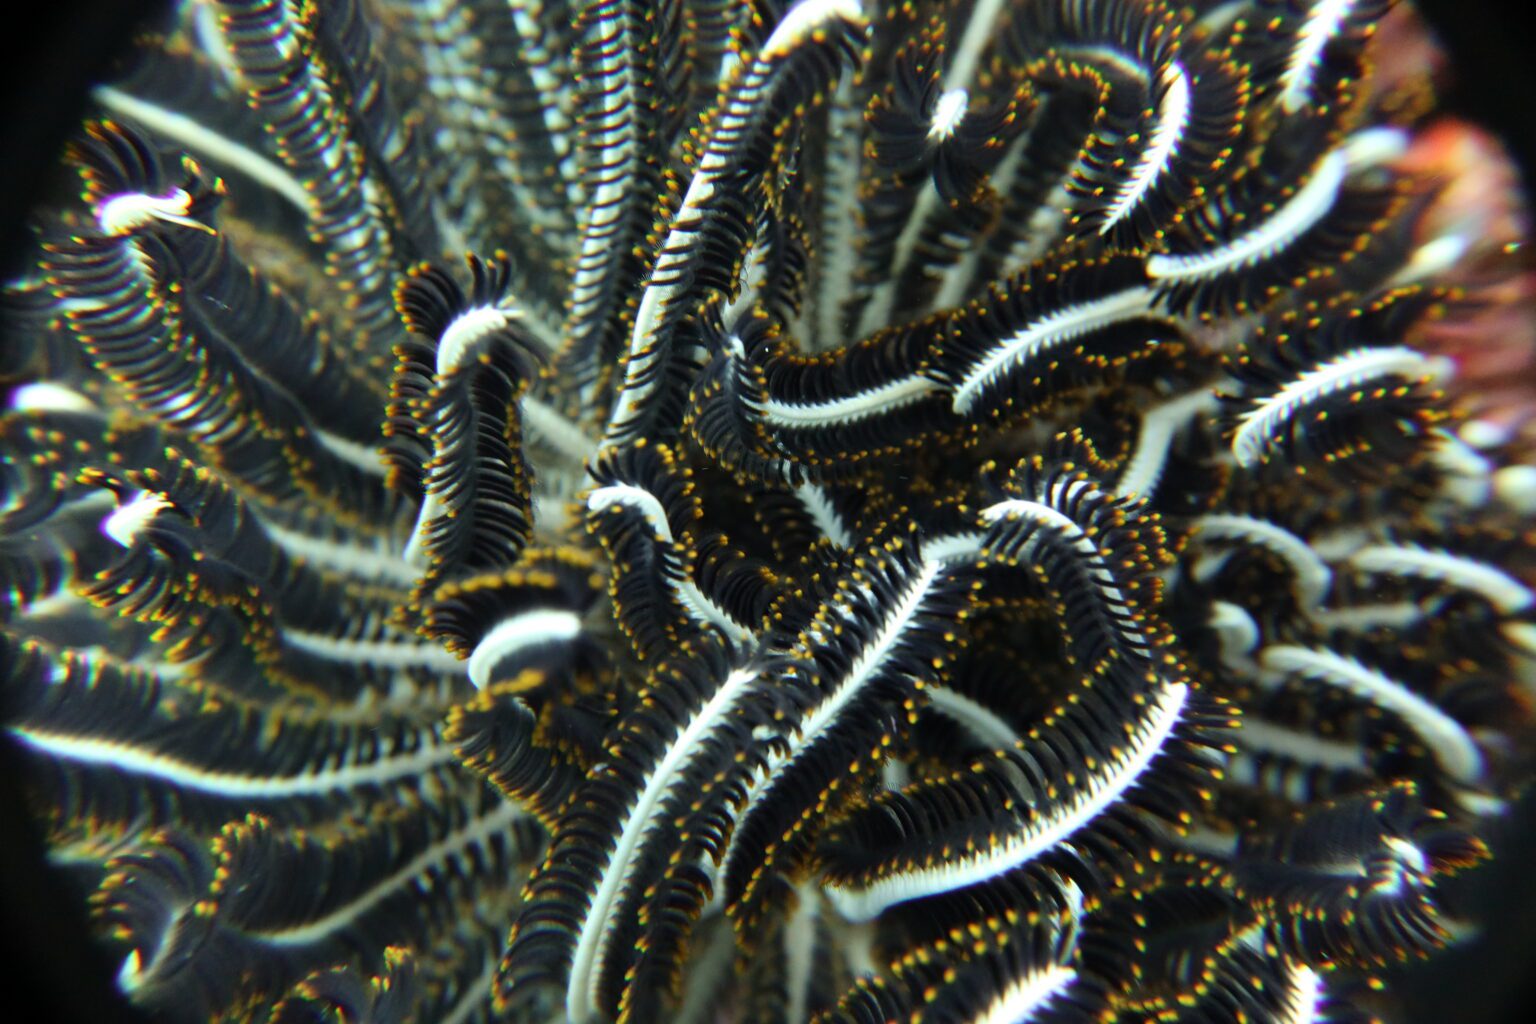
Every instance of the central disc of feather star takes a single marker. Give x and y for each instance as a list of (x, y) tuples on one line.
[(930, 511)]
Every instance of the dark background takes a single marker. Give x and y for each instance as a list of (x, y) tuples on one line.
[(51, 52)]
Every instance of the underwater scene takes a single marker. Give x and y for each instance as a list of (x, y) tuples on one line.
[(726, 511)]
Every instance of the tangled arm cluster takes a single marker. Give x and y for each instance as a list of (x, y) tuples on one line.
[(919, 511)]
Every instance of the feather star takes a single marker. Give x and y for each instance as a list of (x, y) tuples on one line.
[(927, 511)]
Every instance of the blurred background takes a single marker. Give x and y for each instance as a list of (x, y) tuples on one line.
[(53, 52)]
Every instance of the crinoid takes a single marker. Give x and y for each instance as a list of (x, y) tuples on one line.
[(930, 511)]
